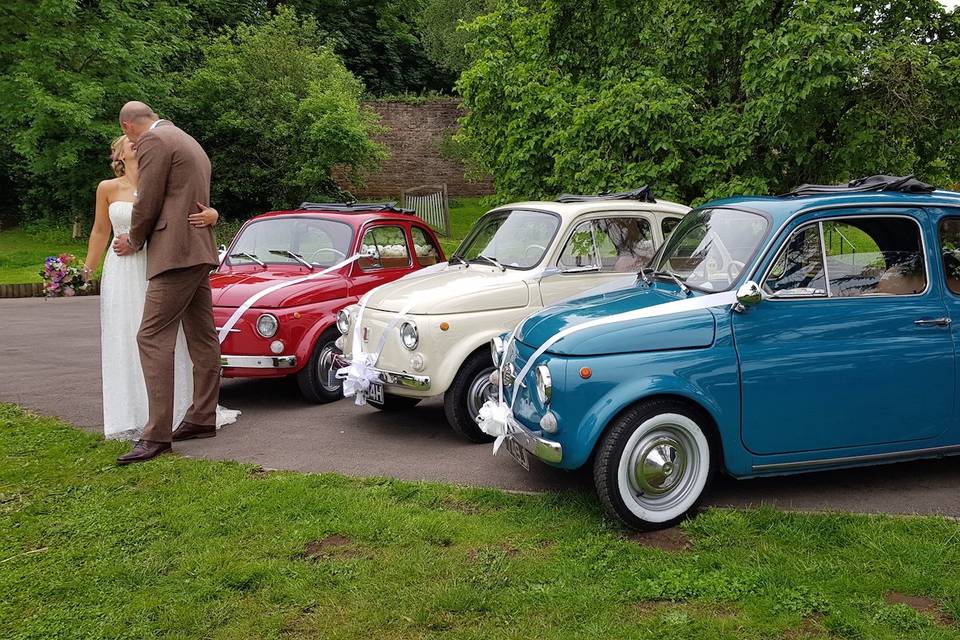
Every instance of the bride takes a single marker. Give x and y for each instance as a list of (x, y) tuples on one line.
[(122, 292)]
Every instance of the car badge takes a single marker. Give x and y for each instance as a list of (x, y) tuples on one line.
[(509, 375), (365, 334)]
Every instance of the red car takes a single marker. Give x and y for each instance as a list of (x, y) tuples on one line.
[(290, 330)]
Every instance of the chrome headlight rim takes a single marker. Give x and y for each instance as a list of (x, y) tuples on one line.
[(409, 335), (271, 322), (544, 384), (343, 321)]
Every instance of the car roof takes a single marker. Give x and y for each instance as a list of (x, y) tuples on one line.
[(570, 210), (782, 208), (357, 217)]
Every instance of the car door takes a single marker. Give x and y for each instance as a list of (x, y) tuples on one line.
[(849, 347), (388, 257), (599, 249)]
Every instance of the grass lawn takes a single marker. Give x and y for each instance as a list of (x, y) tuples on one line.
[(182, 548), (22, 251)]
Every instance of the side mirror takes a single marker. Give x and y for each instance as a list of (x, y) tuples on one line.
[(748, 295)]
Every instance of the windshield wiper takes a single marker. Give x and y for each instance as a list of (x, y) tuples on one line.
[(287, 252), (492, 261), (670, 275), (459, 259), (248, 257)]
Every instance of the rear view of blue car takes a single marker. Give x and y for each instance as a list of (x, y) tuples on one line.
[(770, 335)]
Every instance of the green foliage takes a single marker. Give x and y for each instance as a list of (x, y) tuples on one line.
[(276, 109), (710, 98), (379, 42), (67, 67), (441, 26)]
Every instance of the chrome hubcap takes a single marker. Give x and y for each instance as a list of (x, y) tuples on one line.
[(659, 466), (480, 391), (324, 369)]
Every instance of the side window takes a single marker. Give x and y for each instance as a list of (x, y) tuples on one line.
[(798, 270), (617, 245), (874, 256), (850, 257), (950, 251), (667, 225), (387, 247), (424, 247), (580, 250)]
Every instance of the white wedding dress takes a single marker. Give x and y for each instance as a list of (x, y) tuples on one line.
[(123, 289)]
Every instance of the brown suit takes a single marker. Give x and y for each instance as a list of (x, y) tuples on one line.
[(174, 177)]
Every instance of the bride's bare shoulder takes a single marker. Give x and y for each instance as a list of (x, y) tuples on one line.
[(108, 187)]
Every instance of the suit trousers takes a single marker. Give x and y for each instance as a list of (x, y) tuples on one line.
[(174, 297)]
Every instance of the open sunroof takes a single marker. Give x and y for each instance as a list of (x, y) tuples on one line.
[(643, 194), (901, 184)]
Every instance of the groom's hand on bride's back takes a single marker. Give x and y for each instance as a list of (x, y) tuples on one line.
[(122, 245)]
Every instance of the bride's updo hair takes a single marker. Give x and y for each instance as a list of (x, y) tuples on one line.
[(116, 161)]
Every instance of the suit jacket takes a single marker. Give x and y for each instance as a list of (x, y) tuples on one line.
[(174, 176)]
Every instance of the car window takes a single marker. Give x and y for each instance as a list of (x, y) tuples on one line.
[(424, 247), (617, 245), (386, 247), (667, 225), (290, 239), (950, 252), (857, 256), (516, 239), (798, 270)]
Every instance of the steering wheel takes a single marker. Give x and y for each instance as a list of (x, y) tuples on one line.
[(526, 254), (734, 269), (335, 252)]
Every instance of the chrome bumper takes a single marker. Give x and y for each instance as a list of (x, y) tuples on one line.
[(258, 362), (546, 450), (408, 380)]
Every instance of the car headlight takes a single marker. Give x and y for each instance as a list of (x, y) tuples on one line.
[(343, 321), (544, 384), (267, 325), (409, 335), (497, 346)]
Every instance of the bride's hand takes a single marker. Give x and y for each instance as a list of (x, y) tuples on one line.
[(206, 217)]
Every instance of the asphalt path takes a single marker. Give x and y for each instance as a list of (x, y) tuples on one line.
[(50, 363)]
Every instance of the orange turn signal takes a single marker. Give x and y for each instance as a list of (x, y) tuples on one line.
[(585, 372), (296, 315), (444, 326)]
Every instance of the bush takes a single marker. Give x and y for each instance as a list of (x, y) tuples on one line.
[(709, 98), (276, 110)]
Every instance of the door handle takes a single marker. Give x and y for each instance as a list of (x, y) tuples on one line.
[(933, 322)]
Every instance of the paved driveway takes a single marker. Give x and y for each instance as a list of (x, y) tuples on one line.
[(50, 363)]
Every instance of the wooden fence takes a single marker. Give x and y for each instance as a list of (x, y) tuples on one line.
[(431, 204)]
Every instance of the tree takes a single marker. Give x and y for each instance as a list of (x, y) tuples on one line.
[(441, 27), (709, 98), (276, 110)]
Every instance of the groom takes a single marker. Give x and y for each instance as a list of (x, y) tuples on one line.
[(174, 177)]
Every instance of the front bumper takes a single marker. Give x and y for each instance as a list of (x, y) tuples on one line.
[(547, 450), (395, 378), (258, 362)]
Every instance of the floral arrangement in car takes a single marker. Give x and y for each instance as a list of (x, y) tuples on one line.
[(63, 276)]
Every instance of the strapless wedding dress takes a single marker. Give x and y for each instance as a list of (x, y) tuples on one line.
[(123, 289)]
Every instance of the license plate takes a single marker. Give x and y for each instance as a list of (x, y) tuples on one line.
[(375, 392), (519, 453)]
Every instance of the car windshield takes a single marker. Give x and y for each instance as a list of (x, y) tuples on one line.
[(516, 239), (292, 240), (710, 247)]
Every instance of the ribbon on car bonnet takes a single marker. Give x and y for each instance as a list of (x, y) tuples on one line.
[(494, 414), (224, 331)]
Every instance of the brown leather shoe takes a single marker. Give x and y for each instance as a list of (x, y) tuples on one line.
[(189, 431), (144, 450)]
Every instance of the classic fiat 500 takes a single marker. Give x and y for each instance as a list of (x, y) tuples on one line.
[(771, 335), (516, 258), (274, 267)]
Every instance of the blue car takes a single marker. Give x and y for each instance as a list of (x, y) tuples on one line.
[(770, 335)]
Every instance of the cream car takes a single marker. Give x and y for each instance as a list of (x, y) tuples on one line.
[(516, 259)]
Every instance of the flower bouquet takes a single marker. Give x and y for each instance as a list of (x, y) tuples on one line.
[(63, 276)]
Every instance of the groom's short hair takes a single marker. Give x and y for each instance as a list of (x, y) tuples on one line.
[(135, 111)]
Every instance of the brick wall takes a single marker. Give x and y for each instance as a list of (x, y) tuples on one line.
[(414, 137)]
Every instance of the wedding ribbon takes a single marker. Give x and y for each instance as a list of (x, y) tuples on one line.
[(494, 415), (252, 300)]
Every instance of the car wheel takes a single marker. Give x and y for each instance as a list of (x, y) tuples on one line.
[(394, 403), (470, 389), (313, 380), (653, 465)]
